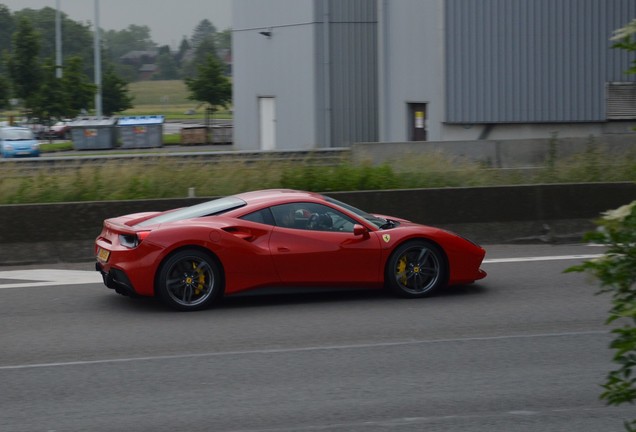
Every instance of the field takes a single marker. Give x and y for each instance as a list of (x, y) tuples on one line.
[(167, 98)]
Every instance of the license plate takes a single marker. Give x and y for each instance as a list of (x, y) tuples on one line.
[(103, 255)]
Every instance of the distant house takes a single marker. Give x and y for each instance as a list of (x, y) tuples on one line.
[(143, 61), (138, 58), (147, 71)]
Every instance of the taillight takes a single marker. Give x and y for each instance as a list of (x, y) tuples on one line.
[(131, 241)]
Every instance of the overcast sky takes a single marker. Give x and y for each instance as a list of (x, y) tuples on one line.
[(168, 21)]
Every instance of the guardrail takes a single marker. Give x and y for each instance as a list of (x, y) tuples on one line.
[(329, 156), (39, 233)]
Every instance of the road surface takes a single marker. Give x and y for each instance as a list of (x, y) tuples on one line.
[(525, 350)]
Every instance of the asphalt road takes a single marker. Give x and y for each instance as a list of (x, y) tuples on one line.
[(525, 350)]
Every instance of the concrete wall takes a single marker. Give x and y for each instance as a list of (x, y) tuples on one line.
[(497, 153), (44, 233)]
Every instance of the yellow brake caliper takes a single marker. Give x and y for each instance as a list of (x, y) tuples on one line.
[(401, 270), (201, 277)]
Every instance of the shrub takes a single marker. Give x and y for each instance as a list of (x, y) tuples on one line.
[(616, 273)]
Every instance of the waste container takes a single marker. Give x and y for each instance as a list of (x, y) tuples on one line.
[(141, 131), (194, 135), (93, 133)]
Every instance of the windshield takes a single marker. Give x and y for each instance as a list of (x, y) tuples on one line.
[(17, 134), (209, 208), (378, 222)]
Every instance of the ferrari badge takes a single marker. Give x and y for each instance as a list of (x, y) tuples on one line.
[(386, 238)]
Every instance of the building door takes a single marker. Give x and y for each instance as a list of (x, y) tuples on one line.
[(267, 122), (417, 122)]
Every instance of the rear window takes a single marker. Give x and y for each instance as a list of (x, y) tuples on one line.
[(209, 208)]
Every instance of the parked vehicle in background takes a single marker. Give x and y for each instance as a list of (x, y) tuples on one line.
[(60, 130), (39, 130), (18, 141)]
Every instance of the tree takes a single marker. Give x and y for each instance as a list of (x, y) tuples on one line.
[(51, 100), (616, 272), (78, 88), (4, 92), (115, 97), (7, 27), (205, 48), (77, 38), (204, 30), (184, 47), (168, 69), (625, 38), (23, 64), (210, 85), (223, 40), (133, 38)]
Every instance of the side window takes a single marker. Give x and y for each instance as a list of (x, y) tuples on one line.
[(262, 216), (291, 215), (311, 216)]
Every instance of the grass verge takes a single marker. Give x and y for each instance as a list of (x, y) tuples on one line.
[(139, 179)]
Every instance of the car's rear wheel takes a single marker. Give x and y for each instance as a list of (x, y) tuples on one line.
[(189, 280), (416, 269)]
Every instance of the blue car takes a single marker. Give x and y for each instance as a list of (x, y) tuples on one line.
[(18, 141)]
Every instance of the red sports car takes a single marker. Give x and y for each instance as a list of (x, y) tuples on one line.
[(189, 257)]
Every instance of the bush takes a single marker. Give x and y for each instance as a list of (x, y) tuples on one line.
[(616, 273)]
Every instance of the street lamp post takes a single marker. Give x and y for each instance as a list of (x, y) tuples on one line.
[(98, 65), (58, 40)]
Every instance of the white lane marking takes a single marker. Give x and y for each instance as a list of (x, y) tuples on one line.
[(53, 277), (303, 349), (48, 277), (542, 258)]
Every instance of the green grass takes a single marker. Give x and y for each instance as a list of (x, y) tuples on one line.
[(141, 179)]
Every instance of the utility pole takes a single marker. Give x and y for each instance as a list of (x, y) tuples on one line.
[(58, 40), (98, 65)]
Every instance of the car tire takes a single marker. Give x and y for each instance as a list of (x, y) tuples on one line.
[(416, 269), (189, 280)]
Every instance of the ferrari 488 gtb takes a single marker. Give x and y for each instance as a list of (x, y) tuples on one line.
[(189, 257)]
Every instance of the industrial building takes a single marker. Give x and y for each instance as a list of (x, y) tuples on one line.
[(329, 73)]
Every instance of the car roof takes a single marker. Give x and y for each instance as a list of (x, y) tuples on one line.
[(278, 196), (14, 128)]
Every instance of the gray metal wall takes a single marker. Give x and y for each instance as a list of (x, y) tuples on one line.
[(283, 66), (352, 57), (320, 65), (344, 71), (411, 65), (532, 60)]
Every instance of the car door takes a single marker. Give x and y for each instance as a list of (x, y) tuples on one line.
[(324, 252)]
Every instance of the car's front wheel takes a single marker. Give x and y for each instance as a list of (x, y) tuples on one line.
[(416, 269), (189, 280)]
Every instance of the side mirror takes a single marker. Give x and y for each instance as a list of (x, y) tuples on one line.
[(359, 230)]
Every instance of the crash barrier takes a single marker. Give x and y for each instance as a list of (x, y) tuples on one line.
[(44, 233)]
